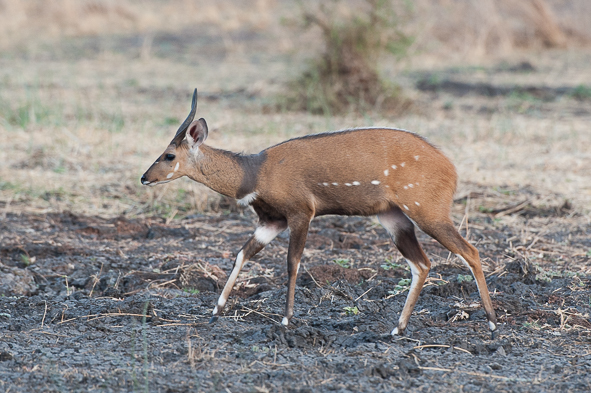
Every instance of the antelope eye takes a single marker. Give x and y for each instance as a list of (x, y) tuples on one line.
[(169, 157)]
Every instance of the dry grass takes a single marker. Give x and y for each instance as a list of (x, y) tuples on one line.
[(76, 133), (43, 20), (461, 30)]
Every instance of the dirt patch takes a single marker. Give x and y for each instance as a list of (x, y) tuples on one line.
[(112, 303)]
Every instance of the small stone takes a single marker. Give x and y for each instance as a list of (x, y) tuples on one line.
[(501, 352), (4, 356)]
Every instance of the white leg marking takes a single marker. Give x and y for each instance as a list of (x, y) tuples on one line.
[(266, 234), (215, 310), (237, 267), (284, 321), (176, 167), (492, 326), (376, 182), (395, 332), (463, 260), (386, 172), (169, 175), (389, 225), (247, 199), (471, 271), (356, 183)]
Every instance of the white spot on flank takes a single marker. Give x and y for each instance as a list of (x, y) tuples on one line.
[(411, 185), (406, 207), (376, 182), (406, 187), (284, 321), (325, 184), (417, 203), (416, 158), (348, 184), (386, 172), (176, 167), (394, 167), (169, 175), (356, 183), (387, 186), (335, 184), (402, 164), (247, 199)]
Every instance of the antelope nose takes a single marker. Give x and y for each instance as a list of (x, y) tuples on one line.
[(143, 180)]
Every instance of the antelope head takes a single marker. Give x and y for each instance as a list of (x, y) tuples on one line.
[(180, 154)]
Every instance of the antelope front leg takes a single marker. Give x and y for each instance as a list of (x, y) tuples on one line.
[(297, 241), (262, 236)]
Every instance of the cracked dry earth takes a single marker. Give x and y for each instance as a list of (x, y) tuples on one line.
[(93, 304)]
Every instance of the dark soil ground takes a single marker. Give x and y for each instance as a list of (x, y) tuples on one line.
[(93, 304)]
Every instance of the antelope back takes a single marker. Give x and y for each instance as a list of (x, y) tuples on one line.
[(360, 171)]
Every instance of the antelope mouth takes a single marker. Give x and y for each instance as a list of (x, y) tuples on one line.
[(153, 183)]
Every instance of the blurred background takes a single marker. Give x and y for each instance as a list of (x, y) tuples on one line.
[(92, 91)]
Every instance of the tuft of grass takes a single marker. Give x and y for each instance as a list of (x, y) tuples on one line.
[(465, 278), (345, 76), (546, 275), (350, 311), (402, 286), (342, 263), (581, 93), (532, 325), (25, 260), (30, 111), (191, 291), (389, 265)]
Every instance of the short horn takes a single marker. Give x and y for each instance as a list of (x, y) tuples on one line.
[(180, 134)]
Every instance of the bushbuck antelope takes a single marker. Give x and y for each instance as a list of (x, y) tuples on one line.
[(394, 174)]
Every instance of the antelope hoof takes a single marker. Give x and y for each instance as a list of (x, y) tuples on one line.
[(395, 332), (215, 316), (493, 330)]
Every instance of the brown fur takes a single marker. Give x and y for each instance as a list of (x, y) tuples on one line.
[(394, 174)]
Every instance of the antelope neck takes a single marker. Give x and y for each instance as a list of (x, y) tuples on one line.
[(230, 174)]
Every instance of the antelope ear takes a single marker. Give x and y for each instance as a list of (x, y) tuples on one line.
[(197, 133)]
